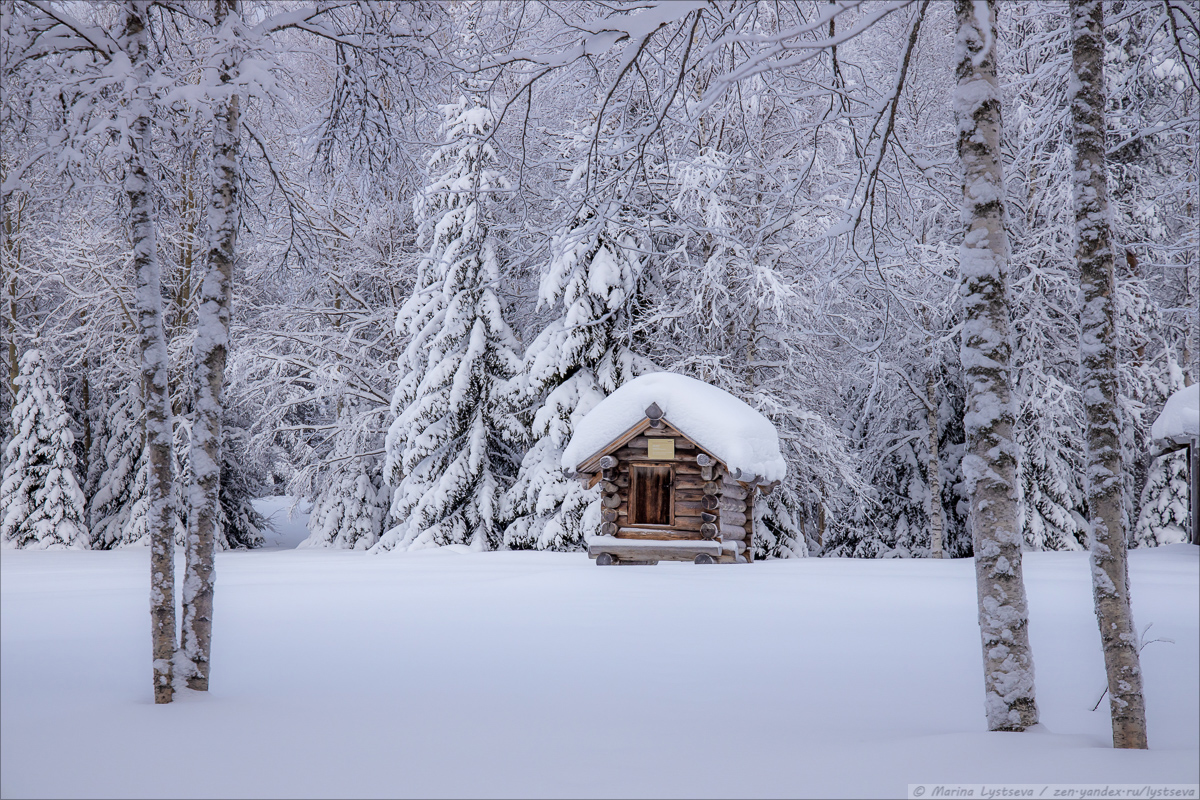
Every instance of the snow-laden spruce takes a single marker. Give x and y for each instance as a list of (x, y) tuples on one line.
[(714, 419), (580, 357), (1163, 518), (41, 506), (116, 510), (448, 450), (349, 511)]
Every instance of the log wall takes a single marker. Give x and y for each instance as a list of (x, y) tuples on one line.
[(708, 504)]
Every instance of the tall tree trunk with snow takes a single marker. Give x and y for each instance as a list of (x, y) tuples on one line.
[(934, 468), (154, 359), (1098, 378), (990, 465), (209, 350)]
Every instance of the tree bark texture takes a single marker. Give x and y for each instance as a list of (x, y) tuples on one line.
[(990, 465), (209, 350), (1098, 379), (154, 363)]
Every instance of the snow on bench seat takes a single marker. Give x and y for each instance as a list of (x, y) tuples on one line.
[(635, 548)]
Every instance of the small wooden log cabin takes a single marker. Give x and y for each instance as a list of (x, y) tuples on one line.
[(666, 496)]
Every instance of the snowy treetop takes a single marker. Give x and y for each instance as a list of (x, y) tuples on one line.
[(714, 419), (1180, 417)]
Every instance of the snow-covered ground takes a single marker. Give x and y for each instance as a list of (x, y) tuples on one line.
[(446, 673)]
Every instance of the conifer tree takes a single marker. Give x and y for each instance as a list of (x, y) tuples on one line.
[(577, 360), (1163, 518), (117, 509), (349, 512), (239, 525), (43, 507), (450, 448), (121, 465)]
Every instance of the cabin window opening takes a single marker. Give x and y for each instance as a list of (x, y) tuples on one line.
[(651, 495)]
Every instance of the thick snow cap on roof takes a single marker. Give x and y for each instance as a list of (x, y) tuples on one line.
[(1180, 417), (714, 419)]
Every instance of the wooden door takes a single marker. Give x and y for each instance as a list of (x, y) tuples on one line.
[(650, 495)]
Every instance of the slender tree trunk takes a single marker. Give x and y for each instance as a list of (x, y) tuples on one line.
[(990, 466), (934, 469), (155, 366), (210, 348), (1098, 377)]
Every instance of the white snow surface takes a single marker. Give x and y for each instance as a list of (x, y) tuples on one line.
[(656, 544), (446, 673), (1180, 417), (716, 420), (287, 521)]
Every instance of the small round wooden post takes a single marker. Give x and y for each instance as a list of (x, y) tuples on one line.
[(702, 558), (605, 560), (608, 462), (708, 530)]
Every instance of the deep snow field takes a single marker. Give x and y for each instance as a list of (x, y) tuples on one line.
[(453, 674)]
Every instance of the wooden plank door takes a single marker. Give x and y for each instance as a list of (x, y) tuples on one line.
[(650, 495)]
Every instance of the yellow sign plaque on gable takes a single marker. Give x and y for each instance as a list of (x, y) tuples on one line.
[(661, 449)]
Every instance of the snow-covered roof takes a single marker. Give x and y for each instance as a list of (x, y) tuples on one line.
[(714, 419), (1180, 417)]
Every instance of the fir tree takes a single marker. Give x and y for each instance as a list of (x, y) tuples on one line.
[(1164, 507), (450, 449), (121, 464), (43, 507), (118, 508), (239, 525), (578, 359), (349, 512)]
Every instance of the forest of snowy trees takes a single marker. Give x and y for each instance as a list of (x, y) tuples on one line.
[(383, 256)]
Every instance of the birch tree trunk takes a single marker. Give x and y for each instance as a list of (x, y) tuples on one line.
[(209, 351), (154, 364), (990, 466), (1098, 379)]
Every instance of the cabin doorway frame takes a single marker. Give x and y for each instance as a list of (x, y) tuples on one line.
[(635, 485)]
